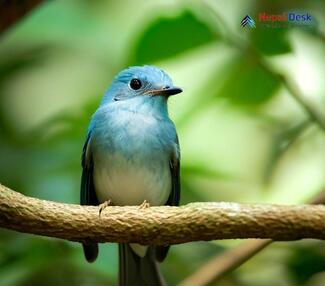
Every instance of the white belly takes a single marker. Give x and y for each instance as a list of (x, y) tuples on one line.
[(128, 182)]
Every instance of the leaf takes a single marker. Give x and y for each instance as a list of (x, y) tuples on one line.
[(167, 37), (248, 84), (271, 41)]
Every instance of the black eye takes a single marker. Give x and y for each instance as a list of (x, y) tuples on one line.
[(135, 84)]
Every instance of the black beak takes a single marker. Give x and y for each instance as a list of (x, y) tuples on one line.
[(167, 91)]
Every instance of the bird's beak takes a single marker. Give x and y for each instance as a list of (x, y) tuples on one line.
[(167, 91)]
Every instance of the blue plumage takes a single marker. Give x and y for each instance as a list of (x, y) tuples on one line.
[(132, 154)]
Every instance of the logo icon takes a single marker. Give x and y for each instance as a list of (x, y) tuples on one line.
[(248, 21)]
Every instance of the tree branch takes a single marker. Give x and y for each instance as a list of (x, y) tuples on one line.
[(224, 263), (11, 11), (160, 225)]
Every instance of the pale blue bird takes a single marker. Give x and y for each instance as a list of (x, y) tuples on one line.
[(131, 156)]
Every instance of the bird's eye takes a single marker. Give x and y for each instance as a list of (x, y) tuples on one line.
[(135, 84)]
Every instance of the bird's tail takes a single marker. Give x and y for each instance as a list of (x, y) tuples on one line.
[(138, 271), (90, 251)]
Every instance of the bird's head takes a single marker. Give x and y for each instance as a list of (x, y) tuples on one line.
[(140, 81)]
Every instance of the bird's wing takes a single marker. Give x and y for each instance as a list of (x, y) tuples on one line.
[(174, 197), (87, 193), (174, 164), (87, 190)]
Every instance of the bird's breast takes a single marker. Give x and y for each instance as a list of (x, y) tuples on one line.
[(131, 160)]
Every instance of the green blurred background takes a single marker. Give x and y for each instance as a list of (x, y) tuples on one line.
[(244, 137)]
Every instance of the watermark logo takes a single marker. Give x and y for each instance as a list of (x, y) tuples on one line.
[(248, 21), (281, 20)]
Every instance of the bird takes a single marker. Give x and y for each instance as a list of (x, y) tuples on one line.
[(132, 157)]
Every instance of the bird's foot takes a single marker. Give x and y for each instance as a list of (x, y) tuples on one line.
[(144, 205), (103, 206)]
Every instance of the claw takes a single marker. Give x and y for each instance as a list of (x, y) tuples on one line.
[(103, 206), (144, 205)]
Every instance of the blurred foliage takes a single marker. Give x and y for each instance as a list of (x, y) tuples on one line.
[(263, 40), (243, 136), (253, 84), (173, 35), (306, 261)]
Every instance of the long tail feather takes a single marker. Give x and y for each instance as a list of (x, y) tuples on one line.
[(138, 271)]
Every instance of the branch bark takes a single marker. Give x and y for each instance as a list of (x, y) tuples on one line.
[(160, 225), (224, 263)]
